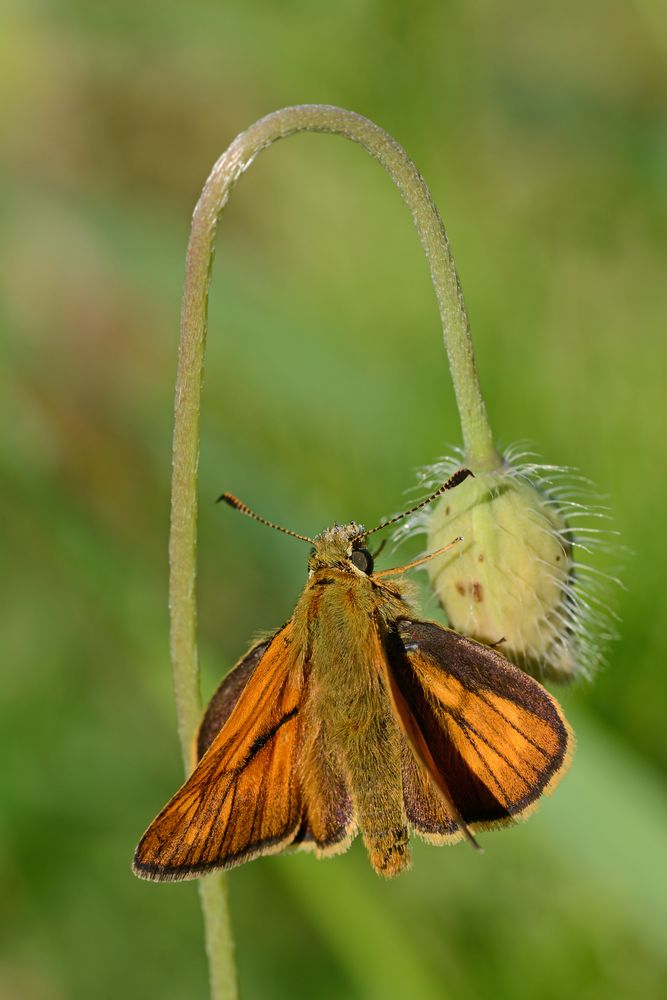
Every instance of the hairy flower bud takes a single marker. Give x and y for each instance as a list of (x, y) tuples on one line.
[(516, 579)]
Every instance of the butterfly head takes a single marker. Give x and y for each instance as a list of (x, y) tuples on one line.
[(341, 547)]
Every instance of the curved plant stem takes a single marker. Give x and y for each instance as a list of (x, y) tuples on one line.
[(477, 438)]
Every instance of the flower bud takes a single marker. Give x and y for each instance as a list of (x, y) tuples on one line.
[(511, 581)]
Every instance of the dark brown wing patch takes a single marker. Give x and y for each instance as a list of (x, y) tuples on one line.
[(498, 738)]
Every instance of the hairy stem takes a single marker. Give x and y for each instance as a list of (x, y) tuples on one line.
[(477, 438)]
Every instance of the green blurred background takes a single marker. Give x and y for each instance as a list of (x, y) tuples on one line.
[(542, 132)]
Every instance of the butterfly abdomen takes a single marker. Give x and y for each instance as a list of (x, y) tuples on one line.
[(374, 763), (347, 694)]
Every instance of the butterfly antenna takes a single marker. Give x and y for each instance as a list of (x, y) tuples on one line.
[(453, 481), (237, 504)]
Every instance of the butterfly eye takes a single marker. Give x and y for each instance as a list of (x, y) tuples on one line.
[(363, 560)]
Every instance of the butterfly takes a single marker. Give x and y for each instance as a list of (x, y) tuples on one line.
[(358, 717)]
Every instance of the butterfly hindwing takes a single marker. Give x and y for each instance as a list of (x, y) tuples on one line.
[(329, 823), (497, 738)]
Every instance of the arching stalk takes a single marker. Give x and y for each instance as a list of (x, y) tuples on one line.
[(479, 449)]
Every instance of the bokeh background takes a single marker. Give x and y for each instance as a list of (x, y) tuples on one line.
[(543, 133)]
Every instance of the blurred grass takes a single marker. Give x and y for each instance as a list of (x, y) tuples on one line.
[(542, 134)]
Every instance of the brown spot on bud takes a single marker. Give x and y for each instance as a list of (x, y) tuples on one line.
[(480, 557), (460, 587), (477, 592)]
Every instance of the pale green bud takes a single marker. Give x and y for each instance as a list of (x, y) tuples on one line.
[(512, 580)]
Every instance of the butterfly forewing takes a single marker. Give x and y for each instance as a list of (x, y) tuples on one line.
[(496, 736), (243, 798)]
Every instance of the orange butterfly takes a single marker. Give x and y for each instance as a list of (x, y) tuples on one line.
[(357, 716)]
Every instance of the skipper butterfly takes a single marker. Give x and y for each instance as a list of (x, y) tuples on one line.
[(358, 716)]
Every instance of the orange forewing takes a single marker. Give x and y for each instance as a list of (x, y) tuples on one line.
[(496, 737), (243, 798)]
